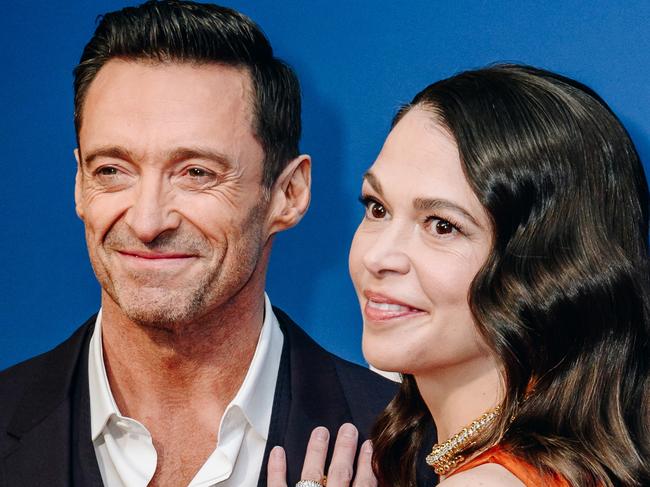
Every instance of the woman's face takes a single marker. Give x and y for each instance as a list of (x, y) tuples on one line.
[(422, 240)]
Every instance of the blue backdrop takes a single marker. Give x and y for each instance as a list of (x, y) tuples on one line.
[(358, 61)]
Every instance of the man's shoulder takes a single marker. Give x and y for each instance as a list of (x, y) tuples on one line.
[(360, 383), (45, 375)]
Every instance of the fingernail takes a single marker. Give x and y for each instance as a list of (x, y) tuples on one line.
[(366, 448), (348, 430), (321, 433), (277, 452)]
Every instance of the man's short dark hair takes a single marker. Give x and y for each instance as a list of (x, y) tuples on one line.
[(183, 31)]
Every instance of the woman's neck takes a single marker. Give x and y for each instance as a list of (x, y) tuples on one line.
[(459, 394)]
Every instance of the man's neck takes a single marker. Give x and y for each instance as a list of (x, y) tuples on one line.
[(154, 372)]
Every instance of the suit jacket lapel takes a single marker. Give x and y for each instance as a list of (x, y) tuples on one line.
[(85, 470), (51, 424), (50, 441), (308, 394)]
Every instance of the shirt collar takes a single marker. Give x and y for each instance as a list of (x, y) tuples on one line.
[(254, 398), (102, 403)]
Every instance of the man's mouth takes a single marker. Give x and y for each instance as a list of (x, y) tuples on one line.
[(163, 262), (155, 255)]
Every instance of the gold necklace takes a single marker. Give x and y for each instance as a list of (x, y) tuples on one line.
[(446, 456)]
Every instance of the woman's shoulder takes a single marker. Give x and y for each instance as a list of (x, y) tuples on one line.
[(499, 466), (486, 475)]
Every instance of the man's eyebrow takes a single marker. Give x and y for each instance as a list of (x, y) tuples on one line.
[(373, 181), (112, 152), (184, 153), (175, 155), (434, 204)]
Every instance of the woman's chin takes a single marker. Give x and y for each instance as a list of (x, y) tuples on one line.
[(382, 360)]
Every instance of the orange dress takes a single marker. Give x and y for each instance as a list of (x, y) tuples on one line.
[(525, 472)]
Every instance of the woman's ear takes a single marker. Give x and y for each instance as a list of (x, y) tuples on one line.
[(290, 195)]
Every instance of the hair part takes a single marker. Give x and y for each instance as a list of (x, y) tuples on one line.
[(174, 31), (562, 300)]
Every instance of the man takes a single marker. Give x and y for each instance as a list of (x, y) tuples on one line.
[(188, 165)]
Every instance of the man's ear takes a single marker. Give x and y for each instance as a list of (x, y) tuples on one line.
[(290, 195), (77, 186)]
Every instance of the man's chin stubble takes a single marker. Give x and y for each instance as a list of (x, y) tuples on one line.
[(170, 312)]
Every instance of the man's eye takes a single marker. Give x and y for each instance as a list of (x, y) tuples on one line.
[(197, 172), (107, 171), (111, 177), (196, 178)]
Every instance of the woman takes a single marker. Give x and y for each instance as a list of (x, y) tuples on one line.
[(502, 268)]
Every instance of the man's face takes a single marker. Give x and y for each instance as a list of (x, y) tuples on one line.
[(169, 188)]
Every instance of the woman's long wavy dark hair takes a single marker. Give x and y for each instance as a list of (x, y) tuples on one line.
[(562, 300)]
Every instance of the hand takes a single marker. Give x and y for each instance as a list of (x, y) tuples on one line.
[(341, 469)]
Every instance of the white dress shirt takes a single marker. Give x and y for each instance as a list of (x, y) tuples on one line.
[(124, 448)]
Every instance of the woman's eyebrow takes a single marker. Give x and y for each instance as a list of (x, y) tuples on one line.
[(433, 204), (373, 182), (425, 204)]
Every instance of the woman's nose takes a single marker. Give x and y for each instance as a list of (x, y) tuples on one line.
[(388, 251)]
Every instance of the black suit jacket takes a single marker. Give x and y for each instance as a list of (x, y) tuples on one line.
[(45, 413)]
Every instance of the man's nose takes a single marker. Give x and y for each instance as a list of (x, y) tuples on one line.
[(151, 212), (389, 252)]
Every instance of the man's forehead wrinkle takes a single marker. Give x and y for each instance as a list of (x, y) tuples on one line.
[(241, 90)]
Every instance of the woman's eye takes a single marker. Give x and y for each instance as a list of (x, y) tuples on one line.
[(377, 210), (444, 227), (374, 209), (439, 226)]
